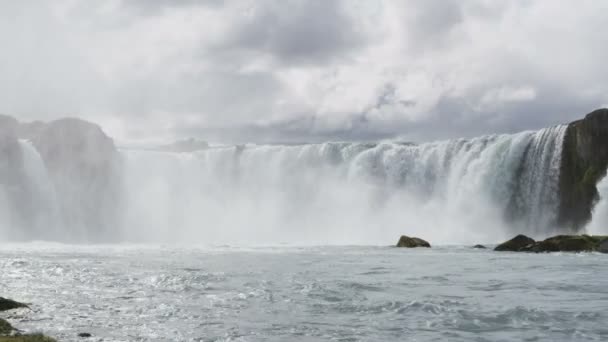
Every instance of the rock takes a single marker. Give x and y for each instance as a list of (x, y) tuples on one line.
[(584, 163), (5, 327), (84, 334), (566, 243), (9, 304), (516, 244), (558, 243), (412, 242), (27, 338), (479, 247), (84, 167)]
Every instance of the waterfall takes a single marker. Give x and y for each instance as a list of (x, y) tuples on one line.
[(456, 191), (599, 221)]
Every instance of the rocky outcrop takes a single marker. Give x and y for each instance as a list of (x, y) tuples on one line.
[(9, 304), (516, 244), (559, 243), (412, 242), (479, 247), (83, 164), (584, 163), (81, 175), (8, 333)]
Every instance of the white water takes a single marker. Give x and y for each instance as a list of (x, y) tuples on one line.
[(456, 191), (599, 221)]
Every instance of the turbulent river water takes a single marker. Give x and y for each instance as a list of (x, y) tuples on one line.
[(164, 293)]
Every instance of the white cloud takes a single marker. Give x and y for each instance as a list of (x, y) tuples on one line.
[(299, 70)]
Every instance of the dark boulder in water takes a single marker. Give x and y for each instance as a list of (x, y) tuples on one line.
[(412, 242), (583, 163), (565, 243), (480, 247), (9, 304), (558, 243), (84, 335), (516, 244)]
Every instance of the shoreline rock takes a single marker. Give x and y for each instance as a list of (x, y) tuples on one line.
[(412, 242), (9, 304), (8, 333), (558, 243)]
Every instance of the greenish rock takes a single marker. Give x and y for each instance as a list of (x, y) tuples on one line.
[(516, 244), (584, 162), (558, 243), (5, 327), (9, 304), (27, 338), (566, 243), (412, 242)]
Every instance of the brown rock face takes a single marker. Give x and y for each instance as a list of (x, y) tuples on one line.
[(584, 162)]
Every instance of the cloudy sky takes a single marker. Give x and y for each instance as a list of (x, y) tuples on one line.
[(304, 70)]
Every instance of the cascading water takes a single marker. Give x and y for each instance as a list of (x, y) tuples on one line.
[(457, 191), (599, 222)]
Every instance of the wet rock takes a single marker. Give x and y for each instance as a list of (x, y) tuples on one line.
[(584, 162), (566, 243), (516, 244), (480, 247), (27, 338), (5, 327), (558, 243), (84, 335), (9, 304), (412, 242)]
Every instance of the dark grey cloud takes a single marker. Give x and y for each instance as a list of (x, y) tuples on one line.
[(297, 32), (300, 70)]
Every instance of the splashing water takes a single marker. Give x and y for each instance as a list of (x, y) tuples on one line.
[(450, 192), (599, 221)]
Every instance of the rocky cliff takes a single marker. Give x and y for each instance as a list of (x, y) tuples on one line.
[(84, 170), (584, 162)]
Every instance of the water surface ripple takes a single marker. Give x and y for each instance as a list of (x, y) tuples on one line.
[(146, 293)]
